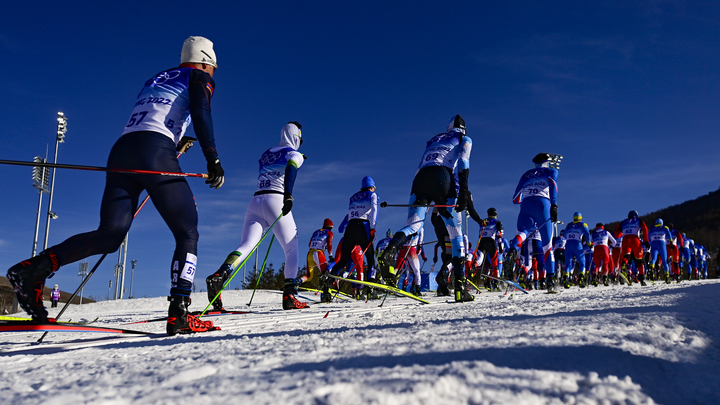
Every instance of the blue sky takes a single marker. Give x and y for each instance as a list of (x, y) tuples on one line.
[(628, 92)]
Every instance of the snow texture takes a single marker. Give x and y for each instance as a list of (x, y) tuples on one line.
[(598, 345)]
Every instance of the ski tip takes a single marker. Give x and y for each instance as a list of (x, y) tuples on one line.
[(326, 314)]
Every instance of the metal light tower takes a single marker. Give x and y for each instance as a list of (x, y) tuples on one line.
[(132, 272), (61, 130), (83, 272), (40, 182)]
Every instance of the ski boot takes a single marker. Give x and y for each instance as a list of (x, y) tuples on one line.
[(461, 292), (541, 285), (215, 283), (641, 278), (667, 277), (595, 281), (581, 281), (28, 281), (370, 292), (605, 281), (386, 261), (289, 301), (521, 280), (566, 281), (179, 319), (441, 279)]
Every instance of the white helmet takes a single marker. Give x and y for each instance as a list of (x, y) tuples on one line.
[(198, 50), (56, 286)]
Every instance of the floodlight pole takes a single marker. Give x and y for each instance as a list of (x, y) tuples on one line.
[(83, 271), (132, 273), (40, 182), (61, 130)]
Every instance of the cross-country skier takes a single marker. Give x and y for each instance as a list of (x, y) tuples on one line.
[(320, 241), (635, 233), (673, 254), (602, 240), (408, 257), (688, 246), (445, 247), (382, 243), (487, 248), (434, 183), (166, 105), (559, 251), (270, 205), (536, 193), (575, 233), (503, 247), (54, 296), (361, 221), (659, 237)]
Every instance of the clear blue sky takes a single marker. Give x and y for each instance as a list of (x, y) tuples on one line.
[(628, 92)]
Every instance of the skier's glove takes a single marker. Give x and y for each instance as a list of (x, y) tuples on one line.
[(217, 174), (287, 204), (553, 213), (462, 201)]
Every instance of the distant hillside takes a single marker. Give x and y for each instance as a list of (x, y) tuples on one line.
[(7, 295), (699, 219)]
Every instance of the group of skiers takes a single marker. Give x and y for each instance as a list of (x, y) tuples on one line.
[(172, 99)]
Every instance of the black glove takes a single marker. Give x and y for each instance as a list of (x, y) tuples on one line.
[(553, 213), (463, 196), (287, 204), (217, 174), (462, 201)]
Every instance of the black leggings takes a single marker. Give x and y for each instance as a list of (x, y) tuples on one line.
[(171, 196), (357, 233)]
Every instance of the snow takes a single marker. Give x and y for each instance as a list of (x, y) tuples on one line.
[(598, 345)]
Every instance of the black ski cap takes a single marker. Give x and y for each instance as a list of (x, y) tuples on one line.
[(456, 122), (492, 212), (541, 157)]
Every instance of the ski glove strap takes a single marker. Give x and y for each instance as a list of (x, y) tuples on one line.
[(287, 204), (217, 174)]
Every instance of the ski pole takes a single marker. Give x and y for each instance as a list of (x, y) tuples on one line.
[(240, 265), (395, 281), (186, 142), (103, 169), (257, 282), (385, 204)]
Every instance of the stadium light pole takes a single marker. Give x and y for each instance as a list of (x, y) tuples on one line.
[(83, 272), (132, 273), (40, 182), (61, 130)]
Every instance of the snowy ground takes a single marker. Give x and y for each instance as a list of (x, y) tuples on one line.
[(606, 345)]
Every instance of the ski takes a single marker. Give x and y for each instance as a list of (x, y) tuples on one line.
[(26, 326), (19, 318), (209, 313), (507, 282), (346, 297), (390, 289)]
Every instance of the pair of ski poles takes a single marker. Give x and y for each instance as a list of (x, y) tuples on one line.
[(185, 144), (237, 269)]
